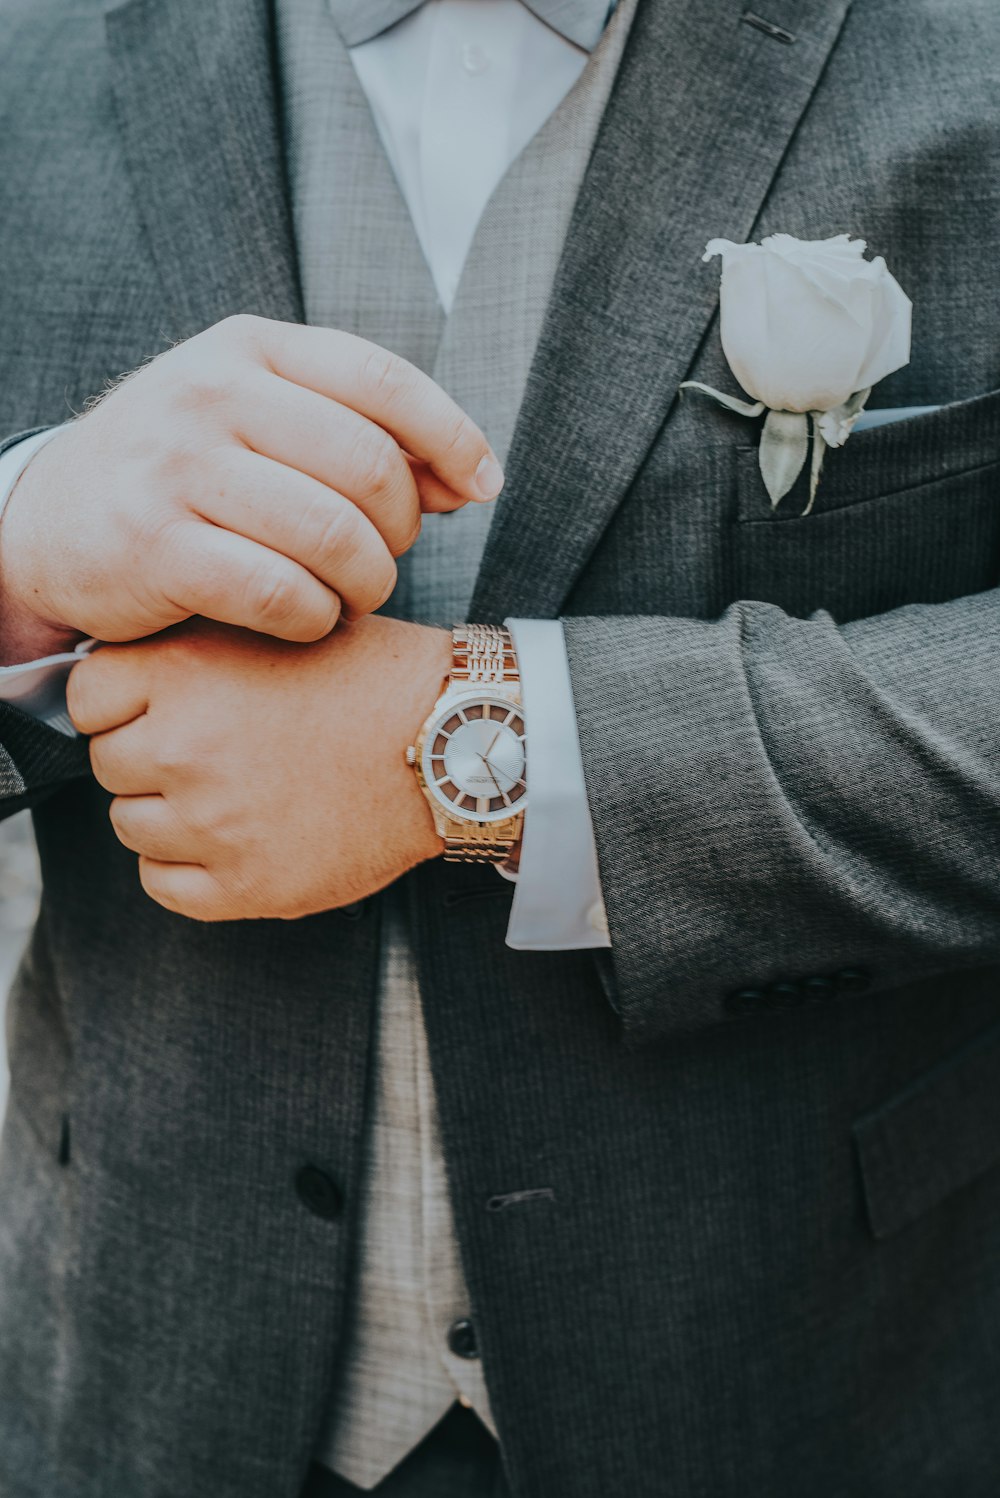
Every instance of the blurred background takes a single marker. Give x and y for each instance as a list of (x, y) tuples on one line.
[(18, 902)]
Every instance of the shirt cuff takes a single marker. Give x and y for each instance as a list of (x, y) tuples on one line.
[(36, 687), (558, 905)]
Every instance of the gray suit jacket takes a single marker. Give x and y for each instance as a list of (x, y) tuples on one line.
[(729, 1200)]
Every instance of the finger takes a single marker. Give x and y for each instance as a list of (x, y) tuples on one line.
[(123, 760), (349, 454), (393, 394), (302, 519), (435, 497), (214, 572), (106, 689), (186, 888), (150, 826)]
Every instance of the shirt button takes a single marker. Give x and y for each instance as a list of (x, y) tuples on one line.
[(317, 1192), (474, 59), (462, 1339)]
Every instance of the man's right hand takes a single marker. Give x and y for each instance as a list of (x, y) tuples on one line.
[(262, 474)]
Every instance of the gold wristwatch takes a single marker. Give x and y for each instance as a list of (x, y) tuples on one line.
[(469, 755)]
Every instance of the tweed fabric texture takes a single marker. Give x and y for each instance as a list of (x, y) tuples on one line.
[(757, 1256)]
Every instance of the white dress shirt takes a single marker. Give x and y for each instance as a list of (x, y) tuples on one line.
[(457, 90)]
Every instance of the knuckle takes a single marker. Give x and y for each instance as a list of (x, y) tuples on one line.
[(460, 434), (203, 390), (101, 769), (159, 889), (77, 690), (275, 596), (342, 539), (168, 758), (118, 815), (376, 462), (400, 547), (239, 327), (380, 375), (374, 589)]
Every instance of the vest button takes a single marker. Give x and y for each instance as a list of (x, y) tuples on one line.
[(318, 1193), (462, 1339)]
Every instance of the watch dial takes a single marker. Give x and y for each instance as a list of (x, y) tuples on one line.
[(474, 761)]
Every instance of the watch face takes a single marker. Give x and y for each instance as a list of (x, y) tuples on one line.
[(473, 760)]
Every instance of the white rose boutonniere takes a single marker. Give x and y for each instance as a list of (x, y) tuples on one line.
[(808, 328)]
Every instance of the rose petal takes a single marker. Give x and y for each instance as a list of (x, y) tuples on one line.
[(889, 347)]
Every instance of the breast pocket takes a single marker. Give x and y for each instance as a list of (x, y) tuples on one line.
[(905, 513)]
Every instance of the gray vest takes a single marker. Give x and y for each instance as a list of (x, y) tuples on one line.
[(363, 271)]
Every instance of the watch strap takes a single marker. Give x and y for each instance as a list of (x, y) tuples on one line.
[(482, 655)]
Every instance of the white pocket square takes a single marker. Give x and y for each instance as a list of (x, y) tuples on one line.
[(869, 419)]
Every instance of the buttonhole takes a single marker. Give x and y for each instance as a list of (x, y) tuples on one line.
[(776, 33), (520, 1198), (63, 1155)]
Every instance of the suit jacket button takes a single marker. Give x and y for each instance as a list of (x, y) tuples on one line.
[(819, 988), (852, 980), (352, 912), (321, 1195), (784, 996), (745, 1000), (462, 1339)]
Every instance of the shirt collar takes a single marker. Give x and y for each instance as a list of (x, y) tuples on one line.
[(579, 21)]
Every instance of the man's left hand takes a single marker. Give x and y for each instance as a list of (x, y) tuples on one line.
[(259, 778)]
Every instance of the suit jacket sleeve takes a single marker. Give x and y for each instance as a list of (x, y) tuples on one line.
[(776, 797)]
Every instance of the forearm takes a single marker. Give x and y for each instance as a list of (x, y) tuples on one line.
[(777, 798)]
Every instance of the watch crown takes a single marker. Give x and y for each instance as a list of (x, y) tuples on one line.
[(411, 754)]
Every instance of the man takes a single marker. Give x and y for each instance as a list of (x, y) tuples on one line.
[(721, 1212)]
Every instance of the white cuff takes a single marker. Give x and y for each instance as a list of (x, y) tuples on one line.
[(36, 687), (558, 905)]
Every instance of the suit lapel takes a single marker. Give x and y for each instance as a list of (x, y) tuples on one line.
[(196, 97), (701, 114)]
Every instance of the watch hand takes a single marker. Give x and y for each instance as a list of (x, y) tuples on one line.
[(489, 751), (490, 768)]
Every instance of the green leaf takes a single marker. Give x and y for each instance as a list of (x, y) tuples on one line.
[(784, 447), (819, 452)]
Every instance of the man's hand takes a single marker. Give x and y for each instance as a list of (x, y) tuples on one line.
[(259, 778), (259, 474)]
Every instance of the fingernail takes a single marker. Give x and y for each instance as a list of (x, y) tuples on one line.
[(489, 477)]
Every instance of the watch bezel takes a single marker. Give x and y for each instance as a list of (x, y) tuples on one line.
[(445, 708)]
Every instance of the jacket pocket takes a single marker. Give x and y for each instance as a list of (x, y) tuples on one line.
[(905, 513), (937, 1135)]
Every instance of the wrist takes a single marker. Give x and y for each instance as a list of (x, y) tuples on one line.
[(27, 629), (428, 668)]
